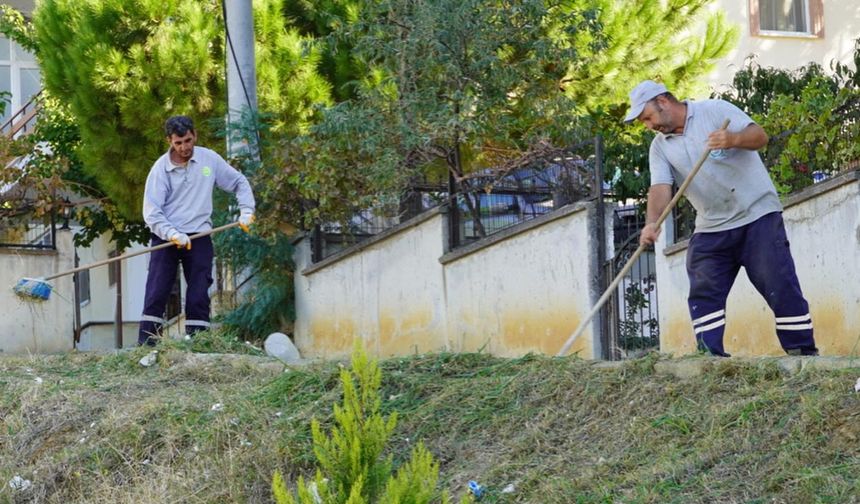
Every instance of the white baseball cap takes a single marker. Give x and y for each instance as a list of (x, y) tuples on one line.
[(642, 94)]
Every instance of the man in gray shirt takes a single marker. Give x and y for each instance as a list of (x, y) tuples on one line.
[(738, 212), (177, 202)]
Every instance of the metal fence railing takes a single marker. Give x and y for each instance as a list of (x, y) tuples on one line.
[(23, 120), (630, 322), (493, 200), (484, 202), (330, 238), (29, 233)]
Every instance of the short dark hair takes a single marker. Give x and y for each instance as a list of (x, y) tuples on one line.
[(669, 96), (178, 125)]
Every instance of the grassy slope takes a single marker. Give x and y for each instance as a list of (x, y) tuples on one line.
[(102, 429)]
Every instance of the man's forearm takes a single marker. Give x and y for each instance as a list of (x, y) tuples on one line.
[(659, 196)]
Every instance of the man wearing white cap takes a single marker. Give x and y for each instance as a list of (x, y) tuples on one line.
[(738, 212)]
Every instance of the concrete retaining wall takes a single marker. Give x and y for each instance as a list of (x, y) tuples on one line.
[(37, 326), (522, 290)]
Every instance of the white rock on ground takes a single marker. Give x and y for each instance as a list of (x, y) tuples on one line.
[(20, 484), (280, 346), (149, 359)]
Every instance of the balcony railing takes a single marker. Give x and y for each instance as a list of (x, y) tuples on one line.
[(22, 121)]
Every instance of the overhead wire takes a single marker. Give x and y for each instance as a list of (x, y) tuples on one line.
[(239, 72)]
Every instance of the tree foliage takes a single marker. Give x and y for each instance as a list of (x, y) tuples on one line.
[(122, 68), (291, 88), (811, 117), (676, 42), (321, 20), (263, 256), (450, 86), (455, 87)]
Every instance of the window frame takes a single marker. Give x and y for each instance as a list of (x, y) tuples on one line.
[(16, 65), (82, 278), (113, 269), (814, 18)]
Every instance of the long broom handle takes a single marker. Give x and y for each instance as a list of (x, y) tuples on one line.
[(139, 252), (630, 262)]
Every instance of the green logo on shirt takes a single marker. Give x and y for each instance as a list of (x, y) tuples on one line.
[(207, 171)]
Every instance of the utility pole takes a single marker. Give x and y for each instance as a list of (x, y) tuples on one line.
[(241, 78), (242, 134)]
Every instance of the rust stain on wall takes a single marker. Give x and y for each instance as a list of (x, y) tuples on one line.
[(407, 333), (837, 327), (541, 330), (470, 333), (331, 337), (677, 337), (753, 332)]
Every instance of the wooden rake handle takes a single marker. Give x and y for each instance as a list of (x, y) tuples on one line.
[(630, 262), (138, 252)]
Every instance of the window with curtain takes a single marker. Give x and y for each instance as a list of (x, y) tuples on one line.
[(784, 15), (781, 17)]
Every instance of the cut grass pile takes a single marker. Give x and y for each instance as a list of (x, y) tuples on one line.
[(103, 429)]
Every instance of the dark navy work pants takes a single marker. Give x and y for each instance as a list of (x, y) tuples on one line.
[(197, 269), (761, 247)]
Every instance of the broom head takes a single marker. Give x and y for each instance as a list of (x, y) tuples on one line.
[(33, 288)]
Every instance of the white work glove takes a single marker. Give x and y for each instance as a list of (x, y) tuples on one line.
[(181, 240), (246, 218)]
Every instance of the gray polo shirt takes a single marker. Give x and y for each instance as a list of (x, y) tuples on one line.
[(180, 198), (726, 193)]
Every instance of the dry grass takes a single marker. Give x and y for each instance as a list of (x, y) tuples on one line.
[(102, 429)]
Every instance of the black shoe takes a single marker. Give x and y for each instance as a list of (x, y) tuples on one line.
[(802, 352), (702, 349), (150, 342)]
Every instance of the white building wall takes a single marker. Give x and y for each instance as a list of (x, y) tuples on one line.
[(389, 295), (37, 326), (525, 294), (98, 314), (841, 29)]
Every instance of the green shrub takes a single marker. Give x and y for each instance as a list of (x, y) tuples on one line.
[(352, 467), (811, 117)]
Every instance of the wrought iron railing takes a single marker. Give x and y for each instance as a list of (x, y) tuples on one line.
[(28, 232), (484, 202), (22, 121)]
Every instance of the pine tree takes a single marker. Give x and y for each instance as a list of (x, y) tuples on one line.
[(322, 20), (291, 88), (646, 39), (352, 466), (124, 66)]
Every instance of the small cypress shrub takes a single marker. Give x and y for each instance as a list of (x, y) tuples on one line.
[(352, 468)]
